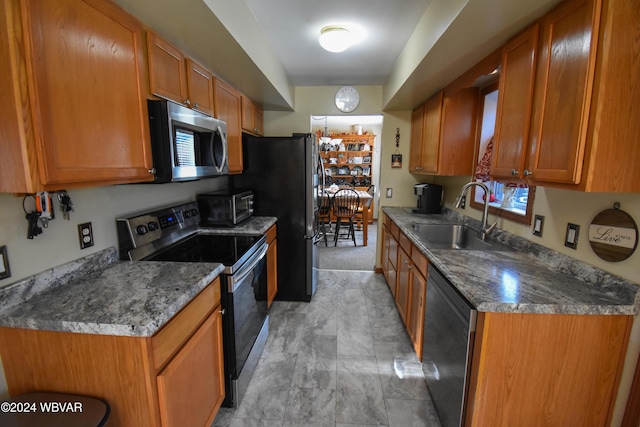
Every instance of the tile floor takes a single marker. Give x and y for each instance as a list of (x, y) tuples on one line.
[(342, 360)]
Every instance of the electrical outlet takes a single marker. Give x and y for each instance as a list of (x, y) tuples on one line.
[(463, 202), (389, 193), (85, 233)]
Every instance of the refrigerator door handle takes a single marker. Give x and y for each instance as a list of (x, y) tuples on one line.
[(311, 184)]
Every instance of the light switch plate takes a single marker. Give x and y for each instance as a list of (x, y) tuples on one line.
[(571, 238), (389, 193), (538, 224)]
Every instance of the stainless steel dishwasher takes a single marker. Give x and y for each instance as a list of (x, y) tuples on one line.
[(449, 330)]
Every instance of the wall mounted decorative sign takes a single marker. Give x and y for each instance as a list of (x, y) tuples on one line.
[(613, 234)]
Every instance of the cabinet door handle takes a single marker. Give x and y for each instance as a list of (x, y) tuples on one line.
[(514, 172), (221, 311), (187, 102), (196, 106), (527, 172), (152, 171)]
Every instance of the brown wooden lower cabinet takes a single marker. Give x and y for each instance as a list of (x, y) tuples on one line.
[(272, 265), (632, 413), (389, 258), (403, 285), (191, 369), (175, 378), (526, 369), (546, 369), (417, 298), (405, 270)]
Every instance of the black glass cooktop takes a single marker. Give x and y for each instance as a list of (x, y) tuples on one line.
[(228, 250)]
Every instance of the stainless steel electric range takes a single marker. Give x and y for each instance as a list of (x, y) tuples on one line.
[(171, 234)]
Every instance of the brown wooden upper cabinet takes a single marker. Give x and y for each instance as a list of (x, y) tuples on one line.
[(71, 117), (415, 144), (443, 139), (426, 123), (585, 127), (175, 77), (227, 103), (515, 95), (252, 117)]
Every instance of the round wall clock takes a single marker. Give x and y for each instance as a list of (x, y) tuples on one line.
[(347, 99)]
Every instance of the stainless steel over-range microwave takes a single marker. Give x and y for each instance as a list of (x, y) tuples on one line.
[(186, 144)]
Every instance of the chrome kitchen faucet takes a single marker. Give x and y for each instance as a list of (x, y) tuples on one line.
[(485, 229)]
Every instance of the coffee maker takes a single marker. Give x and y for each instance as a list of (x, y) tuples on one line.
[(430, 198)]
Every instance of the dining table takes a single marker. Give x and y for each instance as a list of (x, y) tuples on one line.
[(365, 202)]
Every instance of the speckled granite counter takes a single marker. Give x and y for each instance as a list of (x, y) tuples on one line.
[(98, 294), (529, 279), (254, 225)]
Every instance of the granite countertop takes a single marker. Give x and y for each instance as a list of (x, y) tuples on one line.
[(253, 225), (100, 295), (527, 279)]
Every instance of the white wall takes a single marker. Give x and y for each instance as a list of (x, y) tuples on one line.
[(58, 243)]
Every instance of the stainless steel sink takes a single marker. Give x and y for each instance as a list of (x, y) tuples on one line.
[(455, 236)]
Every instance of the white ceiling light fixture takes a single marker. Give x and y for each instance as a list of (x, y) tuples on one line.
[(335, 38)]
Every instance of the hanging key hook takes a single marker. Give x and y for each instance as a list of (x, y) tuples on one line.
[(66, 205), (32, 218)]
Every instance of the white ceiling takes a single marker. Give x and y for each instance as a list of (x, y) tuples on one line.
[(292, 28), (266, 48)]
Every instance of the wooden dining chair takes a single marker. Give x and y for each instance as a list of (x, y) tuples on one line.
[(360, 214), (323, 217), (345, 207)]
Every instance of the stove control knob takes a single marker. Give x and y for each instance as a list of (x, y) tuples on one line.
[(194, 212), (141, 229), (152, 226), (186, 214)]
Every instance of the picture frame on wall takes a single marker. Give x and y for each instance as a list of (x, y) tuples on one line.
[(396, 160)]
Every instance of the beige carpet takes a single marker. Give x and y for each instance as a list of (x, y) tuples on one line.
[(345, 256)]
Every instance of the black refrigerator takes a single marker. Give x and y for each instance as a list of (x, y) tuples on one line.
[(282, 172)]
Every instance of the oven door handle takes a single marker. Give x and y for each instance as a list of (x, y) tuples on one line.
[(236, 279)]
